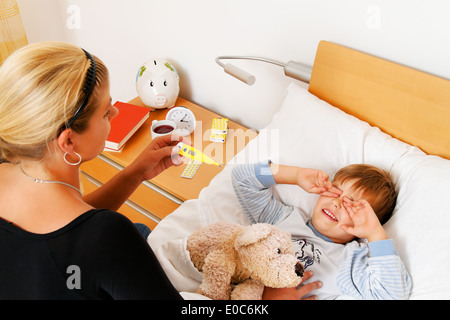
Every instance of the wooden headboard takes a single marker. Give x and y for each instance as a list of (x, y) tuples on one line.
[(407, 104)]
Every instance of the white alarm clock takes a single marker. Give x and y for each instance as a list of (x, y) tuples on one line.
[(183, 118)]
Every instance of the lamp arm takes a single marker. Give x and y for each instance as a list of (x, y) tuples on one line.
[(248, 58), (292, 69)]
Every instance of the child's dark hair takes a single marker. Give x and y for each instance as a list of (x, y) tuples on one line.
[(376, 185)]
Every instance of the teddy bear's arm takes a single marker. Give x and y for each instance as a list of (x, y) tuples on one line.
[(248, 290), (217, 272)]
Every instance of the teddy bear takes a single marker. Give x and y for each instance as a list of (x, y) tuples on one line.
[(236, 261)]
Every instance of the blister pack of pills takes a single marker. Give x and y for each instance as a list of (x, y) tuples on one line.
[(191, 169)]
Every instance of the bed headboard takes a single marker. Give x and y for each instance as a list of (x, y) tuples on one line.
[(407, 104)]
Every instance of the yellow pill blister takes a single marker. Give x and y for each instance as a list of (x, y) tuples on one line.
[(191, 169)]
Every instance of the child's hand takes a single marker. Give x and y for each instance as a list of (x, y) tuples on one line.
[(365, 221), (316, 181)]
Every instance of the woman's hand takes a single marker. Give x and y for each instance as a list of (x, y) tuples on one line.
[(296, 293), (157, 156)]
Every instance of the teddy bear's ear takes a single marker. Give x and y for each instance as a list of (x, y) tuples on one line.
[(252, 234)]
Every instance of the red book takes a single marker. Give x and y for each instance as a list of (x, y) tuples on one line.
[(125, 124)]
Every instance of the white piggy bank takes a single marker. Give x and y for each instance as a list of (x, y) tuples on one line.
[(158, 84)]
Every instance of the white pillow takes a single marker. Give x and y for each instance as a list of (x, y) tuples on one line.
[(312, 133), (420, 225)]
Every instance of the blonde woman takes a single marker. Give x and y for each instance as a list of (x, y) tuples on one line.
[(55, 243), (55, 113)]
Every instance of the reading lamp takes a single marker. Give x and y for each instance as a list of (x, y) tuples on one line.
[(292, 69)]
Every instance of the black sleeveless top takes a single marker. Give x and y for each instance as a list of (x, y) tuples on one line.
[(99, 255)]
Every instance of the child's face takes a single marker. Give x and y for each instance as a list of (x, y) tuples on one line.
[(329, 213)]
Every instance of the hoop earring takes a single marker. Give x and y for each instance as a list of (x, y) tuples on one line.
[(70, 163)]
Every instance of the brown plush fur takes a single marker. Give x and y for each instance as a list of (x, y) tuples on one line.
[(237, 262)]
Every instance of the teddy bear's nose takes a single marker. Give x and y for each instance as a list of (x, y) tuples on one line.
[(299, 269)]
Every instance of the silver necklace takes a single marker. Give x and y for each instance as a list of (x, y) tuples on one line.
[(49, 181)]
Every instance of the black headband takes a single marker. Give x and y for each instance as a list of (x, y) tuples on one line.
[(89, 84)]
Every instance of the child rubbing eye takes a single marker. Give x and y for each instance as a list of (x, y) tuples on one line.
[(343, 242)]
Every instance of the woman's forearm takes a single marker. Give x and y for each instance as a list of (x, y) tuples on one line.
[(113, 194)]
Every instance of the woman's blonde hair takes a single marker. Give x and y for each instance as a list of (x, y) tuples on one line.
[(41, 87)]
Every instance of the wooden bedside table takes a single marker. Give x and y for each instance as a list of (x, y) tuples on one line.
[(160, 196)]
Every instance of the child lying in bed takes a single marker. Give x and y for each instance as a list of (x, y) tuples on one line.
[(357, 203)]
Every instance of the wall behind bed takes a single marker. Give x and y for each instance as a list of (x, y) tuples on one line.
[(192, 33)]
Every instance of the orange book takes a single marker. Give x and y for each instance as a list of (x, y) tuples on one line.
[(125, 124)]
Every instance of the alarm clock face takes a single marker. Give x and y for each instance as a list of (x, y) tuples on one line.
[(183, 118)]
